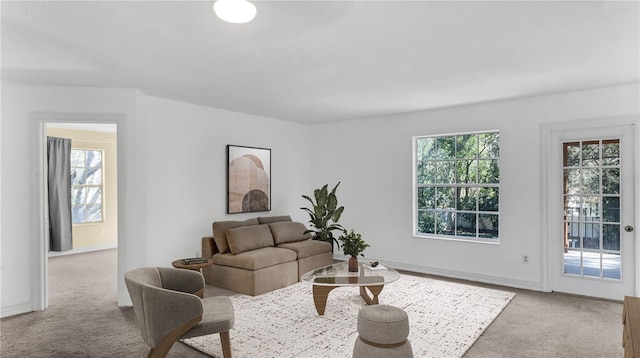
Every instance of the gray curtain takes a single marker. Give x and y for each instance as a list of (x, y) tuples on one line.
[(59, 177)]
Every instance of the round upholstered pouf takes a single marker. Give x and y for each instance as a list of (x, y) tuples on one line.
[(383, 332)]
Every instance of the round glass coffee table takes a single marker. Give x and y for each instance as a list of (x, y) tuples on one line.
[(327, 278)]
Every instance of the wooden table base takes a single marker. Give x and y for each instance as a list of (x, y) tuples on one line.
[(321, 294), (375, 291)]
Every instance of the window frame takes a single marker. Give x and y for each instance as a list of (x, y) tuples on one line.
[(101, 186), (455, 185)]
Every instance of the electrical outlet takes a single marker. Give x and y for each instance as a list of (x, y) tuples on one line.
[(525, 259)]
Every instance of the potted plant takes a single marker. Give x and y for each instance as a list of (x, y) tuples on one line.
[(324, 214), (353, 245)]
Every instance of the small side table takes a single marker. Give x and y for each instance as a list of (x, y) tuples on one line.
[(194, 267)]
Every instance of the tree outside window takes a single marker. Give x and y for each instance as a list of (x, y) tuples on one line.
[(457, 185), (86, 186)]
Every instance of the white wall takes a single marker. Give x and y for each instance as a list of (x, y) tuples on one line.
[(185, 168), (22, 145), (373, 160), (171, 175)]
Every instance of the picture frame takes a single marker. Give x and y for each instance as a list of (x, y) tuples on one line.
[(248, 179)]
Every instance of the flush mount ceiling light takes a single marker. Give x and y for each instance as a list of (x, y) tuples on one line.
[(236, 11)]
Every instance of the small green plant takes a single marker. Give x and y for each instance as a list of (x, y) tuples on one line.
[(353, 244), (324, 214)]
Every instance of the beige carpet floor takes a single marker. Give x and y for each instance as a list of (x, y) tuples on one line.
[(84, 321)]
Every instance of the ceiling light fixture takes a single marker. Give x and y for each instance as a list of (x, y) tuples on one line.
[(236, 11)]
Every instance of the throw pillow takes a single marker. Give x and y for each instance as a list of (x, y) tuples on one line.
[(220, 232), (284, 232), (249, 238)]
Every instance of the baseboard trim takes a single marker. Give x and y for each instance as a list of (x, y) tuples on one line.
[(82, 250), (488, 279), (125, 302), (16, 309)]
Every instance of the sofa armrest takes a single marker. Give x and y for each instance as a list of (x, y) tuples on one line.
[(209, 247)]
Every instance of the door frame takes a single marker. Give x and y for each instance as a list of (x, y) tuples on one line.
[(40, 222), (548, 131)]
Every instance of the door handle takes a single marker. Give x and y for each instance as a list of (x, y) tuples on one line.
[(628, 228)]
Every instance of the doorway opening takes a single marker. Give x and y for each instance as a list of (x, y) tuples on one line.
[(94, 185), (105, 231), (590, 203)]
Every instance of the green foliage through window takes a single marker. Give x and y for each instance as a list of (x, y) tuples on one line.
[(457, 185)]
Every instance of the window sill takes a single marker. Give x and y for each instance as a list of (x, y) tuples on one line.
[(469, 240), (88, 224)]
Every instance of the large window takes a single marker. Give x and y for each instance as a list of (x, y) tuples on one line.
[(457, 185), (86, 186)]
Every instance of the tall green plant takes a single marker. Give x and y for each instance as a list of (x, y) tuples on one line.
[(324, 214)]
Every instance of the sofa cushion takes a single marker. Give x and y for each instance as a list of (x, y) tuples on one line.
[(291, 231), (247, 238), (273, 219), (255, 259), (307, 248), (220, 232)]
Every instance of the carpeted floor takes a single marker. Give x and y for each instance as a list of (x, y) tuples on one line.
[(84, 321)]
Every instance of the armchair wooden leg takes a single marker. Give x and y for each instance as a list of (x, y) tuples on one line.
[(225, 341), (162, 348)]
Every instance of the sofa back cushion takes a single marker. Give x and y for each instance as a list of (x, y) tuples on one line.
[(292, 231), (220, 232), (273, 219), (247, 238)]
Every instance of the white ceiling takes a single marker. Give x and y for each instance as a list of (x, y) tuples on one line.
[(315, 61)]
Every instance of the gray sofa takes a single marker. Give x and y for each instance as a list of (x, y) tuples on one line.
[(261, 254)]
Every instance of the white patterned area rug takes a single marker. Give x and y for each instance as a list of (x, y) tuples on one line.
[(445, 319)]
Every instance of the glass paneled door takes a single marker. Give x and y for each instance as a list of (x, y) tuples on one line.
[(591, 194), (592, 243)]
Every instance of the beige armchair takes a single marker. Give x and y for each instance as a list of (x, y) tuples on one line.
[(168, 306)]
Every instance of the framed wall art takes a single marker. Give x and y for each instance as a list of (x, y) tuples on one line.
[(248, 179)]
